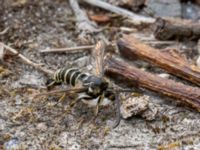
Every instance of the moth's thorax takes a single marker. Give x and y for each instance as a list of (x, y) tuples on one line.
[(96, 85)]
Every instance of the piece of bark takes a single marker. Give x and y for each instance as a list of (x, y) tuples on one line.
[(172, 30), (130, 47), (198, 2), (136, 19), (131, 75)]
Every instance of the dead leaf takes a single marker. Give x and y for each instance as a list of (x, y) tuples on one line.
[(19, 3), (99, 18)]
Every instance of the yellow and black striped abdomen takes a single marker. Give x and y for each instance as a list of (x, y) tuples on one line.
[(68, 76)]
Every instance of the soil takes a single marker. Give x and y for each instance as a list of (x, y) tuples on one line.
[(42, 123)]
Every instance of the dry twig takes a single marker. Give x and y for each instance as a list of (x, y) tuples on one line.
[(26, 60), (131, 47), (68, 49), (132, 75), (136, 19)]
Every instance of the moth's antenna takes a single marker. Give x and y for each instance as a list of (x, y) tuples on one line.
[(121, 90), (118, 115)]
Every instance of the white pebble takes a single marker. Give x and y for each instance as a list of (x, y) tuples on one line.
[(198, 62)]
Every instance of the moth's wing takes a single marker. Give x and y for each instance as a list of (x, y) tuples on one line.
[(97, 58)]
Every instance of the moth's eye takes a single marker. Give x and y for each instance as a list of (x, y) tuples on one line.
[(110, 95), (104, 85)]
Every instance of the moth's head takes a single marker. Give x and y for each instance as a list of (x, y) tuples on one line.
[(97, 86)]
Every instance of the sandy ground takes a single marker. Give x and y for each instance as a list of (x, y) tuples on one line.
[(35, 124)]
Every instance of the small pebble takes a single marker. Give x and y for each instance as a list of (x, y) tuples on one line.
[(198, 46), (164, 75), (198, 62), (12, 144), (42, 126)]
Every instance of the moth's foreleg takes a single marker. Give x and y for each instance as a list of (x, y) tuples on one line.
[(118, 115), (61, 99), (51, 83)]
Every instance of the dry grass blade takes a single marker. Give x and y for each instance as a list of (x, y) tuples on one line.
[(68, 49), (2, 52), (4, 31), (26, 60)]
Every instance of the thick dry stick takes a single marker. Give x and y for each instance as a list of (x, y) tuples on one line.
[(170, 30), (27, 61), (131, 75), (131, 47), (136, 19)]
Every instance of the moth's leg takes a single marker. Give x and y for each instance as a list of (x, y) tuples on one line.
[(72, 104), (79, 98), (62, 98), (80, 122), (75, 101), (51, 83), (97, 107), (96, 110), (118, 115)]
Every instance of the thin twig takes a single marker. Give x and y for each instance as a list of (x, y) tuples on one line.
[(83, 23), (68, 49), (159, 42), (136, 19), (4, 31), (27, 61)]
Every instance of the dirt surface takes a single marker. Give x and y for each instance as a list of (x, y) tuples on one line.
[(38, 123)]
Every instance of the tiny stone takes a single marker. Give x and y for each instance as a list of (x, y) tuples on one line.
[(12, 144), (42, 126), (164, 75), (165, 8), (198, 46), (198, 62), (18, 100)]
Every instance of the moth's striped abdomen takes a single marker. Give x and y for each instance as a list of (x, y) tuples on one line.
[(69, 76)]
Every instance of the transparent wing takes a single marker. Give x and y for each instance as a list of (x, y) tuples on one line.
[(97, 58)]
